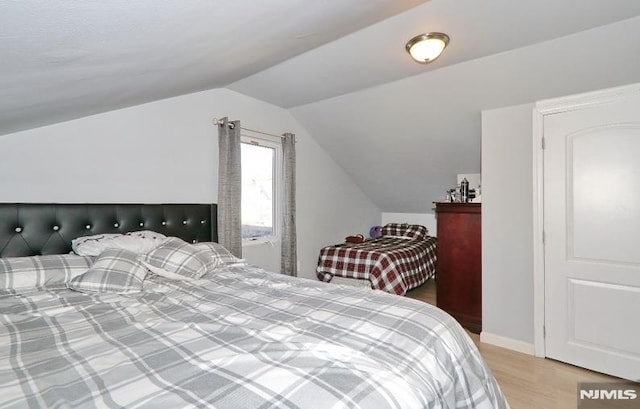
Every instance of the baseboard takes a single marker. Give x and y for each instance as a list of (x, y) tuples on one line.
[(508, 343)]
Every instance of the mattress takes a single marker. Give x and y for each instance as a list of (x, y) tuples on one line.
[(239, 337), (354, 282)]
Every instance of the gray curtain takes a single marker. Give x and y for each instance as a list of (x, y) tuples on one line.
[(229, 187), (288, 263)]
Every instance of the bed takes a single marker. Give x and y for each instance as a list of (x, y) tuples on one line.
[(404, 257), (235, 337)]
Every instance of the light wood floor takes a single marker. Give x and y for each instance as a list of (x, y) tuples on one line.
[(527, 381)]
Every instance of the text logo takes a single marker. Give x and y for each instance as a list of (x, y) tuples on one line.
[(607, 395)]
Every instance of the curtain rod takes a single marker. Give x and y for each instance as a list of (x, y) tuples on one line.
[(217, 121)]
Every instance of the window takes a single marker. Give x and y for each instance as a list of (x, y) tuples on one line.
[(261, 160)]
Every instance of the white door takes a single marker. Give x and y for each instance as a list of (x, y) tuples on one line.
[(592, 237)]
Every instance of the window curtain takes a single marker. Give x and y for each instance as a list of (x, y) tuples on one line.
[(288, 262), (229, 187)]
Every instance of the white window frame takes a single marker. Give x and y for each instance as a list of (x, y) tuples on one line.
[(276, 144)]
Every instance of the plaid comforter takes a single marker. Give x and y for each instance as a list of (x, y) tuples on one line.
[(392, 264), (239, 337)]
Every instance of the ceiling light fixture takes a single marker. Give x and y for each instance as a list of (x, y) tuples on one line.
[(425, 48)]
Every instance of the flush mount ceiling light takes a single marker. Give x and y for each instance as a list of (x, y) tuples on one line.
[(425, 48)]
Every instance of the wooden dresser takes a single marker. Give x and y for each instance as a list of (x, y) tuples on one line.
[(459, 277)]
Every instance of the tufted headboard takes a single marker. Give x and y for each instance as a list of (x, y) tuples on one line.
[(28, 229)]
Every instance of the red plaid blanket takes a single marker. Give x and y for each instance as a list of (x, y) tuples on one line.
[(391, 264)]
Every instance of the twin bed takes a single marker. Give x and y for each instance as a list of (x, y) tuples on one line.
[(402, 258), (235, 336)]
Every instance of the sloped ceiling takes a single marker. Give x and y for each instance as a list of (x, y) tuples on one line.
[(376, 55), (402, 130), (404, 142), (62, 59)]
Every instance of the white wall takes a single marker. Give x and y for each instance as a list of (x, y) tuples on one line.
[(507, 223), (166, 151), (429, 220)]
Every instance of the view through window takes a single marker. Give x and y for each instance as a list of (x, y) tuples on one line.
[(258, 190)]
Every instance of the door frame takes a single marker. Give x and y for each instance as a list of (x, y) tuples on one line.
[(543, 108)]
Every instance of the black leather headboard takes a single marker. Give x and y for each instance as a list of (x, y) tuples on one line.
[(28, 229)]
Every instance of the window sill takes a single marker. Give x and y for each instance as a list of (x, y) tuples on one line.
[(271, 241)]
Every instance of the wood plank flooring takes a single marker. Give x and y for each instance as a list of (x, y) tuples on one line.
[(527, 382)]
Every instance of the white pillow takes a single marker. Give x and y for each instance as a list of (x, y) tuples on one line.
[(139, 242), (91, 245)]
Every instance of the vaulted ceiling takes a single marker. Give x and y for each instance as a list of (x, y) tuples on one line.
[(400, 129), (63, 59)]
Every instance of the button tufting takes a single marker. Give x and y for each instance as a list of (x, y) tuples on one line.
[(141, 224), (88, 226), (116, 225), (184, 222), (203, 221), (56, 228), (195, 241), (18, 229), (164, 223)]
